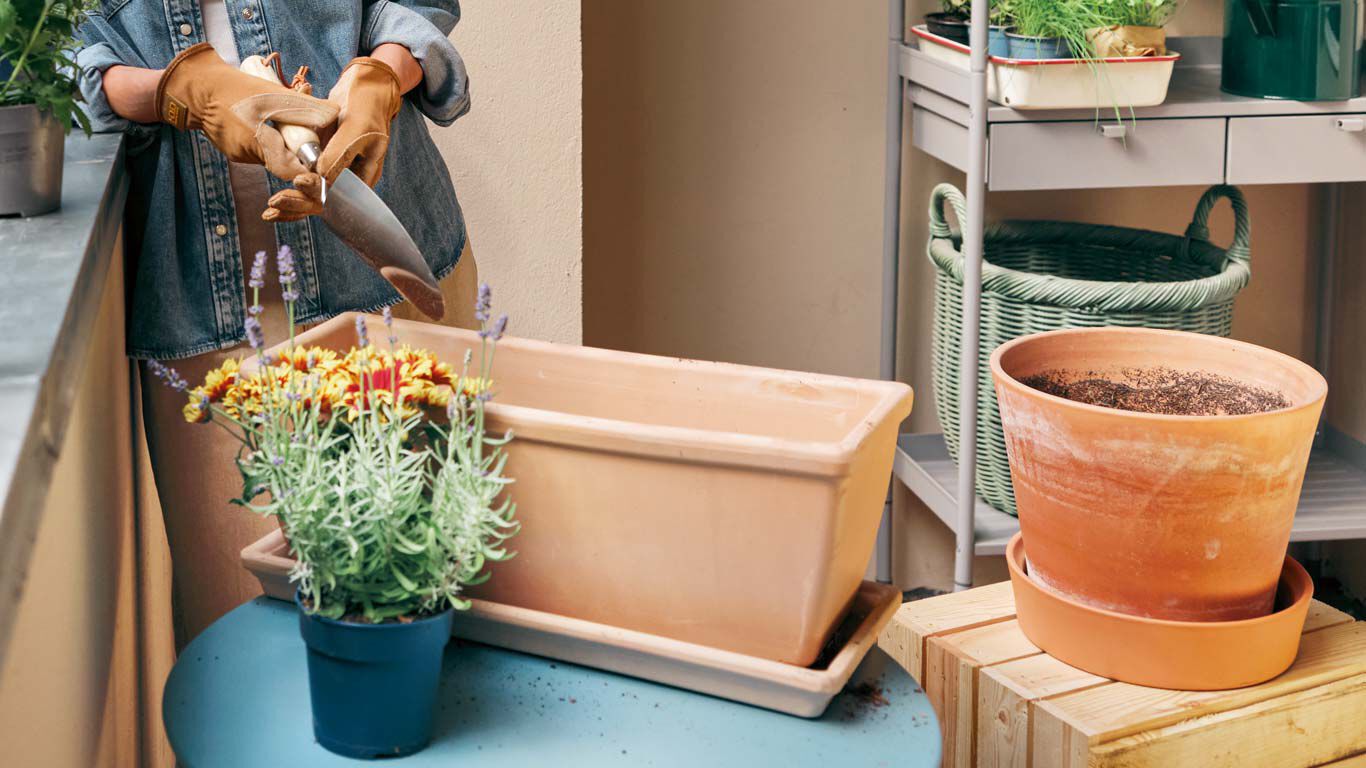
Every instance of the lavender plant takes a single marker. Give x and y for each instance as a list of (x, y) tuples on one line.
[(389, 512)]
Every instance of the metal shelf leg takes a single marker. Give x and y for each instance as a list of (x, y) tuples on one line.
[(972, 298), (891, 249)]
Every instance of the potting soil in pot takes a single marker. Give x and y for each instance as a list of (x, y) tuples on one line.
[(1161, 391)]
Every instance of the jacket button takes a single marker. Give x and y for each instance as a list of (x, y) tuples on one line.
[(221, 230), (248, 13), (186, 29)]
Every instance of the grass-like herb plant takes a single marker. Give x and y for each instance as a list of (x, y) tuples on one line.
[(1065, 19), (390, 509), (38, 57), (1136, 13)]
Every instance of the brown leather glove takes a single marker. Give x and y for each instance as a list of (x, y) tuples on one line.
[(198, 90), (368, 96)]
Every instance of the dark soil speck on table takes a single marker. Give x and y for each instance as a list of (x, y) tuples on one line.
[(862, 700)]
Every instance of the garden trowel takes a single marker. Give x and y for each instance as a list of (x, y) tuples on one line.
[(358, 216)]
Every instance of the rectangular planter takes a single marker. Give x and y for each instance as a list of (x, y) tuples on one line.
[(723, 505)]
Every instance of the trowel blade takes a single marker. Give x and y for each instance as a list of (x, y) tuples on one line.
[(361, 219)]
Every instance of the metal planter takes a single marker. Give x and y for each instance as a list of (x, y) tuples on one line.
[(31, 152)]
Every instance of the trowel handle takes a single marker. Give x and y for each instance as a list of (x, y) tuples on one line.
[(303, 142)]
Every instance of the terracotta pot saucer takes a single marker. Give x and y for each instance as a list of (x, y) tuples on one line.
[(1183, 655)]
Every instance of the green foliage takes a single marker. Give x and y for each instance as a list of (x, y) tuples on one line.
[(1066, 19), (385, 519), (1137, 13), (1000, 13), (38, 45)]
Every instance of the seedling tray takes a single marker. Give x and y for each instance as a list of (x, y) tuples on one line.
[(801, 691), (1122, 82)]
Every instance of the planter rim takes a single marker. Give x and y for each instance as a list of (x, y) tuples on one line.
[(1006, 380), (701, 446), (1293, 575), (359, 626), (924, 34)]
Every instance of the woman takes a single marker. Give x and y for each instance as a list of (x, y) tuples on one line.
[(212, 184)]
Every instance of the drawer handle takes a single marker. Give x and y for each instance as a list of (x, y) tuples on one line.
[(1118, 131), (1351, 124)]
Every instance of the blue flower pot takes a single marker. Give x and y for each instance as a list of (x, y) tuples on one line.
[(1022, 47), (955, 28), (374, 686), (997, 42)]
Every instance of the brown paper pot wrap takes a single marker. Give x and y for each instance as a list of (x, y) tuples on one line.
[(1127, 41), (728, 506), (1168, 517)]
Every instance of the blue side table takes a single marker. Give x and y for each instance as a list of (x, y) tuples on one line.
[(238, 696)]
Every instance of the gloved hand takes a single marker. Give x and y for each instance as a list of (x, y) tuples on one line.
[(368, 96), (198, 90)]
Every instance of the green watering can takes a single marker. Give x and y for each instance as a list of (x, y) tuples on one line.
[(1306, 50)]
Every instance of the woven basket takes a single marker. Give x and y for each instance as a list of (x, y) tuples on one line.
[(1045, 275)]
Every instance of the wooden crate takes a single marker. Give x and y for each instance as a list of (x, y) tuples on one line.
[(1002, 702)]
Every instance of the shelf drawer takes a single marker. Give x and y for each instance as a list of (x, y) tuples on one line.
[(1077, 155), (1299, 149)]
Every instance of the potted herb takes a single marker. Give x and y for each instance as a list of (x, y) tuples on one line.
[(952, 22), (1131, 28), (37, 100), (377, 464), (1052, 29)]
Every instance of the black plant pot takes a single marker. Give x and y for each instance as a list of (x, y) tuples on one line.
[(948, 25), (374, 686)]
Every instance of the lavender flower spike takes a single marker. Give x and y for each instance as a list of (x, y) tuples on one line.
[(255, 336), (389, 323), (284, 262), (484, 303), (169, 375), (495, 331), (258, 271), (362, 336)]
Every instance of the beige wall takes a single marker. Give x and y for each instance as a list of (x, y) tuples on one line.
[(516, 159), (733, 181), (733, 200)]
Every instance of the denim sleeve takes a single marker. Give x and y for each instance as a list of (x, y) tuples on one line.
[(421, 26), (101, 47)]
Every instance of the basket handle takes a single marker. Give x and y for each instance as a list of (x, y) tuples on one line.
[(1240, 250), (939, 225)]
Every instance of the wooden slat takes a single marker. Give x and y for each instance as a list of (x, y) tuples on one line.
[(1006, 693), (1002, 703), (1303, 729), (1070, 725), (952, 664), (1322, 615), (904, 636)]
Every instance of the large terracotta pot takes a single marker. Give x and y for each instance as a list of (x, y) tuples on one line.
[(1169, 517), (723, 505)]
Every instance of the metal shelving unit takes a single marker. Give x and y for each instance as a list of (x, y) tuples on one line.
[(1199, 136)]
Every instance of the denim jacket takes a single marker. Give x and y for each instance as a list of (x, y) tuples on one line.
[(181, 226)]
